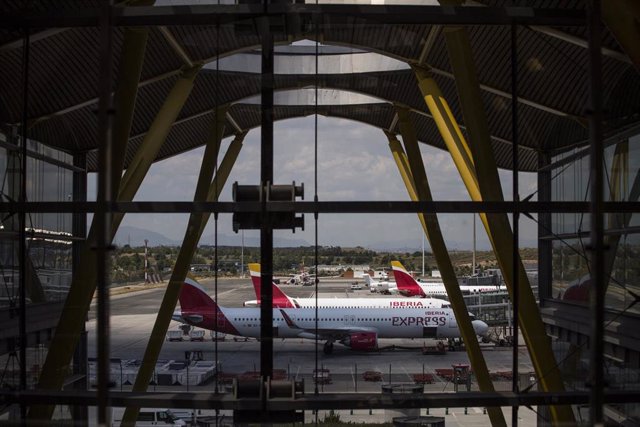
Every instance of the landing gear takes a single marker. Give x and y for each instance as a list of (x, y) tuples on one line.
[(328, 347)]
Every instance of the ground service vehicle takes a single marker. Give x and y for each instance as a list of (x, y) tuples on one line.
[(150, 417)]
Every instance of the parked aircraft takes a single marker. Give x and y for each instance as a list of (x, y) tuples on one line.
[(282, 300), (356, 328), (408, 286), (381, 286)]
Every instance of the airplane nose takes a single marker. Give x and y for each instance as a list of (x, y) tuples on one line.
[(480, 327)]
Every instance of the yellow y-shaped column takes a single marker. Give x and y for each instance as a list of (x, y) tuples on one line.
[(497, 227), (84, 278), (206, 190), (413, 173)]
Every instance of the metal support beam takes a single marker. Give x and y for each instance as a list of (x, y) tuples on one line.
[(310, 401), (80, 414), (175, 45), (23, 251), (225, 14), (566, 37), (10, 222), (618, 192), (524, 101), (157, 133), (370, 206), (107, 152), (266, 229), (439, 248), (545, 247), (497, 225), (134, 45), (84, 279), (596, 248), (428, 44), (577, 41), (223, 172), (181, 267), (622, 17), (233, 122)]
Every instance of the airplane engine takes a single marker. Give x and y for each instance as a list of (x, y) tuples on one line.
[(361, 341)]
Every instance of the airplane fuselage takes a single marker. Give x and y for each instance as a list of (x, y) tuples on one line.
[(385, 322), (363, 303), (439, 289)]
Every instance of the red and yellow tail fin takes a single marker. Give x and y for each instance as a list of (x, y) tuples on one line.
[(280, 299), (254, 272), (406, 284)]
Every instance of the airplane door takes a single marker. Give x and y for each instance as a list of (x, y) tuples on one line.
[(451, 319), (430, 332)]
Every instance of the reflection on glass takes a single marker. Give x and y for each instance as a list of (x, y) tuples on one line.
[(48, 234)]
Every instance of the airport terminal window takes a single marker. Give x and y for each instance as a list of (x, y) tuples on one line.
[(570, 268), (49, 235), (171, 53)]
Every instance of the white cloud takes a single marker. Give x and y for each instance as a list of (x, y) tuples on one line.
[(354, 163)]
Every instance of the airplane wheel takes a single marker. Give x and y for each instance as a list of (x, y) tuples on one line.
[(328, 348)]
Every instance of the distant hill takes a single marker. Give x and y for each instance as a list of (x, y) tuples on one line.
[(135, 236), (452, 245)]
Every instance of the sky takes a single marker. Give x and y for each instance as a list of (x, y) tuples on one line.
[(354, 163)]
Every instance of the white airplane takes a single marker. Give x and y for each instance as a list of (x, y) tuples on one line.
[(282, 300), (381, 286), (408, 286), (356, 328)]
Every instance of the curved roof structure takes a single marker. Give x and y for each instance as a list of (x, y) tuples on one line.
[(357, 56)]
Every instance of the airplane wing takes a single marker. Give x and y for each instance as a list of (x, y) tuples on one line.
[(324, 333), (178, 316)]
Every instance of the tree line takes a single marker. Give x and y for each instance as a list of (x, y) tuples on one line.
[(128, 262)]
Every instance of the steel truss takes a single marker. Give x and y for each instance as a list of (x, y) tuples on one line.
[(391, 207), (211, 400), (224, 14)]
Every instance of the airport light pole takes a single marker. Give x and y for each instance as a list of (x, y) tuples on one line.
[(422, 254), (146, 261), (242, 257)]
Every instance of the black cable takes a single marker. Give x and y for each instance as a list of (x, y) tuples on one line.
[(315, 199), (550, 180), (516, 217), (22, 246), (215, 293), (215, 214)]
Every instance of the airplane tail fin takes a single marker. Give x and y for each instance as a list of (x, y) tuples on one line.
[(404, 281), (254, 272), (280, 299), (199, 309), (193, 297), (368, 280)]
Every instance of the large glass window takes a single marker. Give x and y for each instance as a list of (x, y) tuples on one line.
[(570, 231), (48, 235)]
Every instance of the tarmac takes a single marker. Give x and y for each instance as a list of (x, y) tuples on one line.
[(134, 309)]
